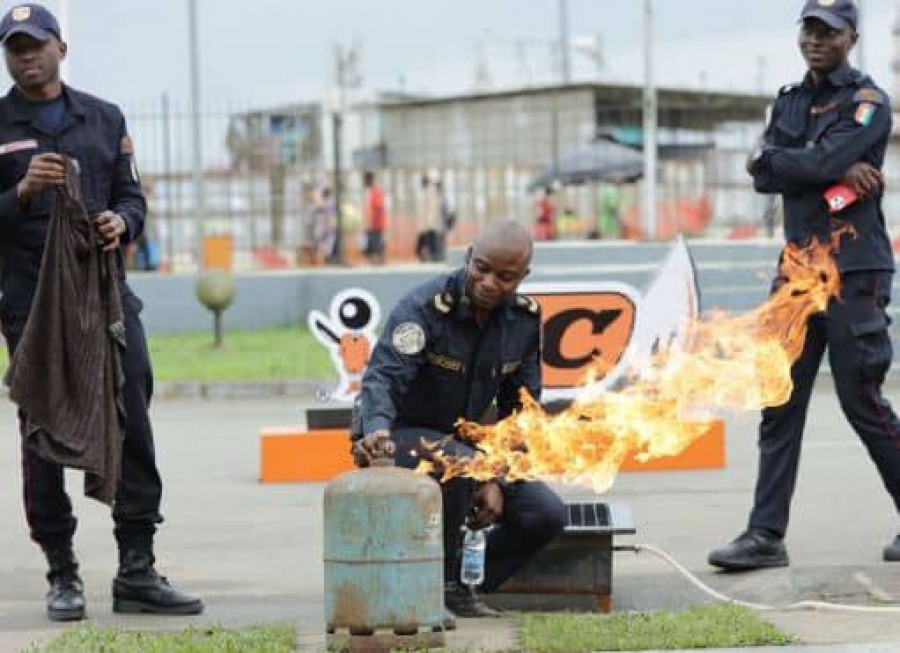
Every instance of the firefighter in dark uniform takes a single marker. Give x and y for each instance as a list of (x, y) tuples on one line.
[(832, 128), (449, 350), (40, 120)]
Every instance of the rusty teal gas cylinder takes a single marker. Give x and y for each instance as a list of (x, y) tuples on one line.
[(383, 554)]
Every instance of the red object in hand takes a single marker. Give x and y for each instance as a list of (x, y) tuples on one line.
[(839, 197)]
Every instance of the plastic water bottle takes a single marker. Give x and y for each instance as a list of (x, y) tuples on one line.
[(474, 546)]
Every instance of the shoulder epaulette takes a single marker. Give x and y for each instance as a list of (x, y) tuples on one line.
[(871, 95), (787, 88), (443, 302), (528, 304)]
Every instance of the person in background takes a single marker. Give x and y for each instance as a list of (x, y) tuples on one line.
[(448, 219), (545, 223), (310, 209), (427, 242), (569, 225), (376, 219), (609, 212), (326, 226)]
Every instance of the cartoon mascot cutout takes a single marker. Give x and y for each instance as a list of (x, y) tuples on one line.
[(348, 332)]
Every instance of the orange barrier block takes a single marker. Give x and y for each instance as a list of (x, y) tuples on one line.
[(706, 452), (290, 454)]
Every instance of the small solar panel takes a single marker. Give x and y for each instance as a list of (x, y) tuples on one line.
[(587, 517)]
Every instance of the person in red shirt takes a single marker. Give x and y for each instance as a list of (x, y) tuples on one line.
[(545, 225), (376, 219)]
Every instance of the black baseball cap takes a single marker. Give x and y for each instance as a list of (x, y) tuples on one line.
[(839, 14), (30, 19)]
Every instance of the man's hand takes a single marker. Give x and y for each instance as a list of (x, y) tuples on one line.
[(111, 227), (44, 171), (755, 156), (864, 179), (371, 446), (488, 505)]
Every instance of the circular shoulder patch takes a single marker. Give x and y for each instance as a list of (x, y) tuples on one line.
[(408, 338)]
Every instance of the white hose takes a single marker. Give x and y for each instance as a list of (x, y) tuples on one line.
[(799, 605)]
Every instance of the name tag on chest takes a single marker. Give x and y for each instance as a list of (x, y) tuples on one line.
[(18, 146)]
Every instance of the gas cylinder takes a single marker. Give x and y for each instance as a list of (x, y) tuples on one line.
[(383, 555)]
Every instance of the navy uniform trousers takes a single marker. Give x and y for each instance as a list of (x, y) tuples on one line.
[(136, 507), (532, 513), (855, 331)]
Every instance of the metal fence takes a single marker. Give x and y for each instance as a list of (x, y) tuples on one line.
[(255, 170)]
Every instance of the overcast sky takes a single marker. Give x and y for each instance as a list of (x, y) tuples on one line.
[(265, 51)]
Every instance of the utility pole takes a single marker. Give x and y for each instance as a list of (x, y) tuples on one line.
[(565, 73), (650, 123), (62, 12), (762, 66), (860, 43), (337, 253), (196, 140), (565, 60), (347, 76), (169, 179), (554, 126)]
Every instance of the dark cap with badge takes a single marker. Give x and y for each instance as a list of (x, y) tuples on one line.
[(29, 19), (839, 14)]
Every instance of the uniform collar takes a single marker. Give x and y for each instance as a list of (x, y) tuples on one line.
[(843, 75), (23, 110), (76, 106)]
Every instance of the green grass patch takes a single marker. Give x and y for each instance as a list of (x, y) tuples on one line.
[(715, 626), (289, 353), (257, 639), (282, 354)]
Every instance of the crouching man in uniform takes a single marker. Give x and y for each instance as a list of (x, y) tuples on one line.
[(449, 349)]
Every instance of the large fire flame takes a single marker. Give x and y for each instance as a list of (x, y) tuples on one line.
[(725, 362)]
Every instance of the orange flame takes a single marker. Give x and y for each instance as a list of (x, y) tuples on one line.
[(724, 363)]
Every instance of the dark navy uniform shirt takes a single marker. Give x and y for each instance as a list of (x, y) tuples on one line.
[(813, 138), (434, 363), (91, 131)]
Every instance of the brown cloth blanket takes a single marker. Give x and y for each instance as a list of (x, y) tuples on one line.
[(66, 372)]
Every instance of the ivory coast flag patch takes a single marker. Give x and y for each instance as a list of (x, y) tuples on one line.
[(864, 113)]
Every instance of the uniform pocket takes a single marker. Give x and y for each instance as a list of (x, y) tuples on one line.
[(863, 351), (787, 132), (873, 345), (823, 123), (869, 327)]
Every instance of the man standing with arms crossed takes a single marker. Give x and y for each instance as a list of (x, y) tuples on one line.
[(832, 128), (41, 121)]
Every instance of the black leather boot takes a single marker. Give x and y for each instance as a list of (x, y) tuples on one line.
[(139, 588), (65, 599), (892, 551), (755, 548), (462, 601)]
